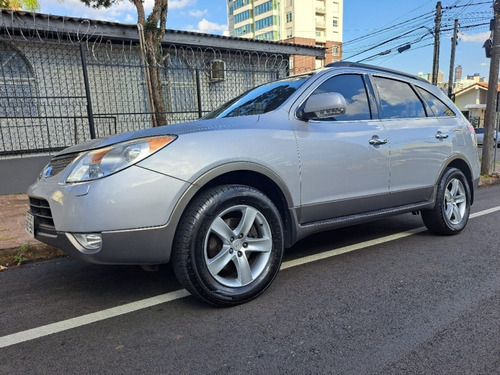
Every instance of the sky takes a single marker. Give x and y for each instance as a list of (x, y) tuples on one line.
[(372, 33)]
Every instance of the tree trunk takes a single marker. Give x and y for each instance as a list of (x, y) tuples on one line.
[(155, 79), (490, 120), (154, 29)]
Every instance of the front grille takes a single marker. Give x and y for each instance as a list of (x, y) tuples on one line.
[(56, 165), (43, 215)]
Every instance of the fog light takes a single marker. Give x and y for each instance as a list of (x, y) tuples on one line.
[(90, 241)]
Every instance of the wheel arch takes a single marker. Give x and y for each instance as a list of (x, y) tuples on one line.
[(249, 174), (465, 168)]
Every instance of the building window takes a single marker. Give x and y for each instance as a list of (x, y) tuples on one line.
[(289, 3), (289, 17), (243, 16), (335, 22), (245, 29), (265, 22), (263, 8), (17, 84), (240, 3), (320, 63), (289, 32), (335, 50), (270, 35)]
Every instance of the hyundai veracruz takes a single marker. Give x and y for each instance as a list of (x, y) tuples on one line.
[(222, 197)]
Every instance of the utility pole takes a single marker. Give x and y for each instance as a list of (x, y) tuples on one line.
[(454, 42), (437, 31), (491, 99)]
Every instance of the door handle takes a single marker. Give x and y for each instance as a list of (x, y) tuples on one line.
[(376, 141), (440, 135)]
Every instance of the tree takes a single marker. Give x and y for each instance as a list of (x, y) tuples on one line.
[(491, 99), (31, 5), (153, 27)]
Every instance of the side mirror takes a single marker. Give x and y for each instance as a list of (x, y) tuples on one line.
[(323, 106)]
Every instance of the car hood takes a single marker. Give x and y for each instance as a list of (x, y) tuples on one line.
[(174, 129)]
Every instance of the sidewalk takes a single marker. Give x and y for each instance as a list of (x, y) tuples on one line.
[(16, 244)]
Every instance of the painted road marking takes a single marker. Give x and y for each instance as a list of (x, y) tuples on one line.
[(65, 325)]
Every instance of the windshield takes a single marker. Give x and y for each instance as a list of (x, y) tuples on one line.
[(259, 100)]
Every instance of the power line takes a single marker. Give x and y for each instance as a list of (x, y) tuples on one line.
[(387, 28), (387, 41), (470, 16)]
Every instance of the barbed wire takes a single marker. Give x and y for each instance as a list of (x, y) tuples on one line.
[(104, 49)]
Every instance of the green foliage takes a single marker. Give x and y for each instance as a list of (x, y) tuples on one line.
[(151, 26), (19, 258), (29, 5), (100, 3)]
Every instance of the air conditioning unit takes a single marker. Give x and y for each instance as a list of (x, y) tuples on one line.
[(217, 70)]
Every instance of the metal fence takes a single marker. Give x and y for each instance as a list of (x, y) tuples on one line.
[(54, 94)]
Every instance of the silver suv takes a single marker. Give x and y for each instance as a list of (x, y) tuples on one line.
[(222, 197)]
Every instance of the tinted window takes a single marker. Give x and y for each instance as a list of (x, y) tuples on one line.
[(397, 99), (352, 87), (438, 108), (259, 100)]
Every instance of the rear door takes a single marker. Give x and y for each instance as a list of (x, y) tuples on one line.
[(420, 143)]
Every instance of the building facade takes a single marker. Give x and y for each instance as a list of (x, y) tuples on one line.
[(471, 100), (306, 22), (458, 73)]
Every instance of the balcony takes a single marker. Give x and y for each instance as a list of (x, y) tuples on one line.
[(320, 37), (320, 24)]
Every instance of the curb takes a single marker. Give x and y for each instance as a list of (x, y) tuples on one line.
[(492, 179), (30, 252)]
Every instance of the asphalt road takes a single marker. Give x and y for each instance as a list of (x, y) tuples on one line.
[(396, 302)]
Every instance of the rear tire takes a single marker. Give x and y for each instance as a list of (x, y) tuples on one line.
[(229, 245), (453, 199)]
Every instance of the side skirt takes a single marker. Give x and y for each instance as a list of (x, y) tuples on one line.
[(306, 229)]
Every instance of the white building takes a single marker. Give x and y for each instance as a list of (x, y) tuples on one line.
[(468, 81), (472, 102), (305, 22)]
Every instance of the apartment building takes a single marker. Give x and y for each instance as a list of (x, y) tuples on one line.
[(305, 22)]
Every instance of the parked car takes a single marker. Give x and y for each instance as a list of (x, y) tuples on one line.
[(222, 197), (480, 136)]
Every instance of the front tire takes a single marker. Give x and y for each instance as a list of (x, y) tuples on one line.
[(229, 245), (453, 199)]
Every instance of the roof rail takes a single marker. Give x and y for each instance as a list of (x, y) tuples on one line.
[(349, 64)]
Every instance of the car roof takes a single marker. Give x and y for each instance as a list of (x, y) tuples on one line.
[(348, 64)]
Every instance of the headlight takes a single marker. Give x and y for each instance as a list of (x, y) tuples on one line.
[(102, 162)]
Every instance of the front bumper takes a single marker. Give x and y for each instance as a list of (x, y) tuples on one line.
[(131, 210), (139, 247)]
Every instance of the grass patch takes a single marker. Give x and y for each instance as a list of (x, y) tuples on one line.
[(19, 258)]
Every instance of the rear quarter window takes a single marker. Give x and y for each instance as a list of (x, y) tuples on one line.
[(436, 106)]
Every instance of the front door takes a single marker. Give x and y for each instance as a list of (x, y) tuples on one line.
[(344, 160)]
